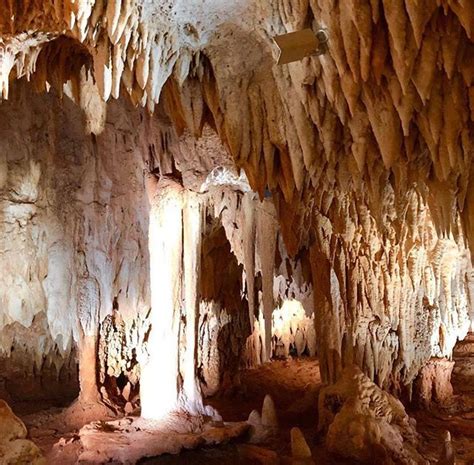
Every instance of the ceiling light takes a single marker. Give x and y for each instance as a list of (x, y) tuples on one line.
[(298, 45)]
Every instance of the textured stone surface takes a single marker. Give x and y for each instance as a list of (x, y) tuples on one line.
[(14, 447), (131, 440), (365, 423), (90, 191), (73, 223), (434, 383)]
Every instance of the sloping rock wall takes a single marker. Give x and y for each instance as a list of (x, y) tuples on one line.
[(73, 222)]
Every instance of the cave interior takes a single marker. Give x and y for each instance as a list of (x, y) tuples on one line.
[(237, 232)]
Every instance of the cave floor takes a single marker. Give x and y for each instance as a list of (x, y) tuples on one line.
[(294, 385)]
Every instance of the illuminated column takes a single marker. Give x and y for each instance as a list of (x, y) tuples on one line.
[(159, 387), (192, 220)]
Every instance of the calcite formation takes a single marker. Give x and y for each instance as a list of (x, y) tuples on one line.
[(300, 451), (144, 144), (293, 330), (15, 448), (66, 258), (365, 423), (434, 383), (365, 149), (264, 426), (102, 272), (448, 456), (128, 441)]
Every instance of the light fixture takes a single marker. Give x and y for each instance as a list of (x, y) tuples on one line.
[(298, 45)]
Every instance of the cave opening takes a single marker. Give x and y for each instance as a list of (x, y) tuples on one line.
[(236, 233)]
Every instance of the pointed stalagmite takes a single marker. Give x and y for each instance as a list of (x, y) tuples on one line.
[(447, 456), (269, 415), (255, 419), (299, 446), (264, 427)]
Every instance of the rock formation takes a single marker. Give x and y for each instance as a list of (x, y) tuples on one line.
[(368, 164), (174, 206), (264, 426), (448, 456), (365, 423), (434, 383), (14, 447), (300, 450)]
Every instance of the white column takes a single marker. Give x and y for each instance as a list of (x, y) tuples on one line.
[(192, 220), (159, 381)]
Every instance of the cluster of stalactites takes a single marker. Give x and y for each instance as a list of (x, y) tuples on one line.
[(392, 95), (388, 299), (50, 42), (390, 104), (354, 145)]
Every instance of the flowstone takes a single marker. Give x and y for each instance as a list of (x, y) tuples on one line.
[(131, 439), (364, 422)]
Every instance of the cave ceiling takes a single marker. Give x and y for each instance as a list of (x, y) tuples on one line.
[(389, 104)]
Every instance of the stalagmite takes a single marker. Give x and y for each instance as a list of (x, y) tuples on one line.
[(447, 456), (365, 423), (300, 450), (264, 427), (269, 416)]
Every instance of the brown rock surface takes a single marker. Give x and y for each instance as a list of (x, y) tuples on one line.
[(363, 422), (15, 449)]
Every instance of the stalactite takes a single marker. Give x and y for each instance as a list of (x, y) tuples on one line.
[(249, 253)]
